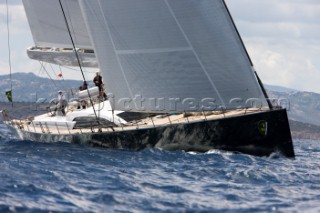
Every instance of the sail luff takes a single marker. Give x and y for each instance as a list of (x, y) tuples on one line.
[(237, 32), (255, 74)]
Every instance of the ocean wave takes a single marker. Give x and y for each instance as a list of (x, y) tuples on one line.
[(62, 177)]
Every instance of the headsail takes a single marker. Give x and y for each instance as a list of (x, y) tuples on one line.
[(184, 53)]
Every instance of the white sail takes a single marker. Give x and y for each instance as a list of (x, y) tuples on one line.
[(63, 56), (170, 55), (48, 25)]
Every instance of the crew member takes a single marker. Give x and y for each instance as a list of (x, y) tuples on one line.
[(99, 83), (61, 105)]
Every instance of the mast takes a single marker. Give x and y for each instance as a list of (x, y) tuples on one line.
[(245, 49)]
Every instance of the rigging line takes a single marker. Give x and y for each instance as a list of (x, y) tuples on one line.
[(9, 50), (56, 76), (40, 70), (43, 67), (54, 72), (64, 82), (77, 56)]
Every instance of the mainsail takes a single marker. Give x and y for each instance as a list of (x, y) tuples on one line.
[(48, 25), (50, 34), (170, 55)]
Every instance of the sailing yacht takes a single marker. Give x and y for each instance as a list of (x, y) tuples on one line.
[(177, 74)]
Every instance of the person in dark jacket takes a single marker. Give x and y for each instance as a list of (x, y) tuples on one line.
[(97, 80), (84, 86)]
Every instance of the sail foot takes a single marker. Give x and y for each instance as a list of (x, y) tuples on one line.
[(63, 56)]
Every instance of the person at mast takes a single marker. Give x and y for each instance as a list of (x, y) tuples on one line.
[(99, 83)]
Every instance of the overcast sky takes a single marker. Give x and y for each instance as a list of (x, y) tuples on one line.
[(281, 36)]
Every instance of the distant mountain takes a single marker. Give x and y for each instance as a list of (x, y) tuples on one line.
[(300, 130), (301, 106), (279, 88), (27, 87), (303, 111)]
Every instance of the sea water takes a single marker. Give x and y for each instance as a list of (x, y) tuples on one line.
[(61, 177)]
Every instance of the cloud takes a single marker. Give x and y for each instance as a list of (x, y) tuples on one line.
[(17, 19), (279, 65), (283, 40), (275, 10), (19, 38), (10, 2)]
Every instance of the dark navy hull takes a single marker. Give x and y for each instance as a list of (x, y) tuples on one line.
[(258, 134)]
